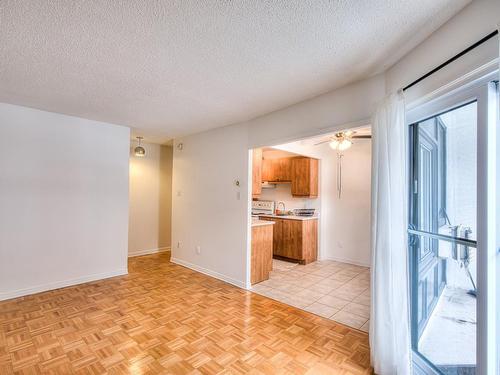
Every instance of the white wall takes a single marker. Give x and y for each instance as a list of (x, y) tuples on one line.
[(346, 228), (150, 200), (346, 107), (344, 223), (63, 199), (207, 210)]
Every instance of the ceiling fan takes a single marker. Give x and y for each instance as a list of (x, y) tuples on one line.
[(343, 140)]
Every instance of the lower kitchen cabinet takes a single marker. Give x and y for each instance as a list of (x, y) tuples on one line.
[(262, 252), (295, 239)]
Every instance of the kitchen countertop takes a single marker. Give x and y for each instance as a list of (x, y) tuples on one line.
[(257, 222), (291, 217)]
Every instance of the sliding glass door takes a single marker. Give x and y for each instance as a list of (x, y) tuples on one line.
[(452, 232)]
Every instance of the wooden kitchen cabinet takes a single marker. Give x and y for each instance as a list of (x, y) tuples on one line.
[(267, 172), (295, 239), (301, 171), (304, 173), (262, 253), (291, 240), (256, 172), (277, 170)]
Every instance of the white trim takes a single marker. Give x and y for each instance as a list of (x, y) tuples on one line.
[(208, 272), (344, 260), (149, 251), (473, 78), (61, 284)]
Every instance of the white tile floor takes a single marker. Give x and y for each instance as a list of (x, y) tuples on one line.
[(333, 290)]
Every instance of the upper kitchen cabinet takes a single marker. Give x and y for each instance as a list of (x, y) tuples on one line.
[(256, 172), (277, 170), (304, 172)]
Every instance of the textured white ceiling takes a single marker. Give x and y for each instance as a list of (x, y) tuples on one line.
[(168, 68)]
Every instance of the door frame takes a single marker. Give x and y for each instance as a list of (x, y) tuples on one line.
[(485, 93)]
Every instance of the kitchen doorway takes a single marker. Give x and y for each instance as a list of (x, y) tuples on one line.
[(311, 225)]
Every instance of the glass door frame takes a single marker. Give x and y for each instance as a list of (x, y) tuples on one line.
[(484, 91)]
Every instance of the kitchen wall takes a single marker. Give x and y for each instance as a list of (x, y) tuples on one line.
[(63, 199), (226, 155), (150, 200), (344, 233), (283, 193)]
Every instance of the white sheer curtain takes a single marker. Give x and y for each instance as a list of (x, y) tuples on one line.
[(390, 318)]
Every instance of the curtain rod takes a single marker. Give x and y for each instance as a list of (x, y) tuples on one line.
[(458, 55)]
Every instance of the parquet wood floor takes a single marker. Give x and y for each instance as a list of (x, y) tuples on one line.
[(166, 319)]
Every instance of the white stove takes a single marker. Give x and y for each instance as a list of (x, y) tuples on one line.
[(262, 208)]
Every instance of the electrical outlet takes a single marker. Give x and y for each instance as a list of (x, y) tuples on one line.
[(179, 244), (198, 249)]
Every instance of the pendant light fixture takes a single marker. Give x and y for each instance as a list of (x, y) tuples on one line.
[(139, 150)]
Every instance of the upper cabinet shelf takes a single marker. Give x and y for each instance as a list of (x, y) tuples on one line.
[(300, 171)]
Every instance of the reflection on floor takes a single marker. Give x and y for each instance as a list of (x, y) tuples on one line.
[(452, 326), (334, 290)]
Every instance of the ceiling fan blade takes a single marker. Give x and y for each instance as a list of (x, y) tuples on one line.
[(320, 143), (362, 136)]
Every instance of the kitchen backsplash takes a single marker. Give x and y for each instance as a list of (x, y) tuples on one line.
[(283, 193)]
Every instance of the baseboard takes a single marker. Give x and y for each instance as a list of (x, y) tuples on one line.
[(61, 284), (208, 272), (344, 260), (148, 251)]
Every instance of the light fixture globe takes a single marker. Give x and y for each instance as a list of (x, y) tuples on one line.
[(334, 144), (139, 150), (344, 145)]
